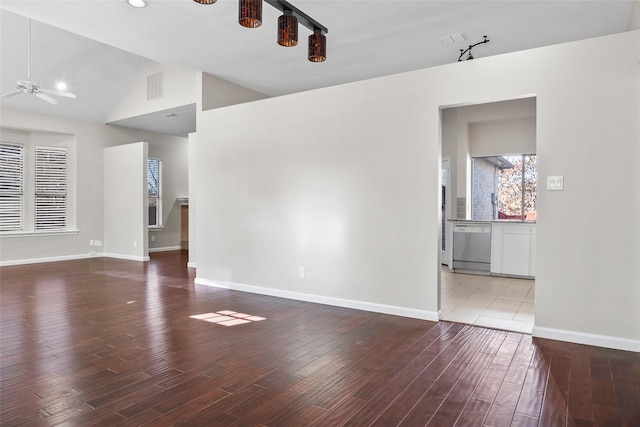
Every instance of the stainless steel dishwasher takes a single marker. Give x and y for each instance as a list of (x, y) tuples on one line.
[(472, 248)]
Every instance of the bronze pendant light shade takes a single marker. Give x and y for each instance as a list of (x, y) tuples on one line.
[(205, 1), (287, 29), (250, 13), (317, 46)]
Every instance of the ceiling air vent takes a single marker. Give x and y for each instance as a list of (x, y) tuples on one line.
[(155, 85)]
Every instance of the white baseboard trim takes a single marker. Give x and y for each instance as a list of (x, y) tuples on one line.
[(588, 339), (166, 249), (47, 259), (191, 265), (127, 257), (319, 299)]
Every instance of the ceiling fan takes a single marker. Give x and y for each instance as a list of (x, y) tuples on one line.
[(30, 87)]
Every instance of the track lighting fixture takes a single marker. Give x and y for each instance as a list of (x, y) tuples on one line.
[(470, 56), (317, 41), (250, 16), (287, 29)]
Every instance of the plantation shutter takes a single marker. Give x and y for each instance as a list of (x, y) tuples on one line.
[(11, 187), (50, 188)]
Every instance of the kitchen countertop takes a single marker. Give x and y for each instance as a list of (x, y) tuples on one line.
[(501, 221)]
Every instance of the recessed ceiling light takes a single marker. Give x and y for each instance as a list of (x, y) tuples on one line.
[(61, 86), (137, 3)]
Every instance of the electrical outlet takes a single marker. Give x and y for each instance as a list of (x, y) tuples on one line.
[(301, 272), (90, 242), (153, 238), (135, 244), (98, 243)]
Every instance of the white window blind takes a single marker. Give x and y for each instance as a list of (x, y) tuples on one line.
[(11, 187), (50, 188)]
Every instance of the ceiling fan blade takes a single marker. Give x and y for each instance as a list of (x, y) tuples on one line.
[(47, 98), (59, 93), (10, 94)]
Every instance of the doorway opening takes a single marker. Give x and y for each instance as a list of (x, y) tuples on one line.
[(502, 298)]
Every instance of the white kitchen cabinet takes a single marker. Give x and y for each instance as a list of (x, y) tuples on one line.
[(513, 249)]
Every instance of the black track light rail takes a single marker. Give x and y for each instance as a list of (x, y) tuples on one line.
[(462, 52), (303, 18)]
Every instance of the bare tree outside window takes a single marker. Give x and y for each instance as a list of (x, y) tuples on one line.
[(517, 188)]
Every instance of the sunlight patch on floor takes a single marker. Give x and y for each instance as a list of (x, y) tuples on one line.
[(227, 318)]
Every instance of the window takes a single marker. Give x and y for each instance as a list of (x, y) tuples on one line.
[(504, 187), (11, 187), (154, 192), (518, 188), (36, 191), (50, 188)]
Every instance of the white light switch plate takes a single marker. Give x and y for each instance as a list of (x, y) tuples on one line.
[(555, 183)]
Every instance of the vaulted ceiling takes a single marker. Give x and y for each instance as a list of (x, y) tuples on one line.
[(101, 47)]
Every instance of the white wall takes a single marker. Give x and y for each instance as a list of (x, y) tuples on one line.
[(501, 137), (90, 139), (213, 93), (331, 188), (193, 184), (125, 201), (346, 185)]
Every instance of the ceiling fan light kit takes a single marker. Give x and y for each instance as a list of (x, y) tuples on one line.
[(30, 87)]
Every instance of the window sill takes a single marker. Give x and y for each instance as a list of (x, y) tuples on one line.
[(156, 228), (38, 233)]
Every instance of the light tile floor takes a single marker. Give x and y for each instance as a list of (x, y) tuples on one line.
[(495, 302)]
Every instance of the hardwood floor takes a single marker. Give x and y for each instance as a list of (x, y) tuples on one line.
[(106, 342)]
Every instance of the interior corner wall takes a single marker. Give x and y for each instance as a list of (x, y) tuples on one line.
[(125, 201), (634, 20), (218, 93), (354, 200)]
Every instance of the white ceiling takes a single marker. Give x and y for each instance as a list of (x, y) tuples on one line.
[(100, 46)]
